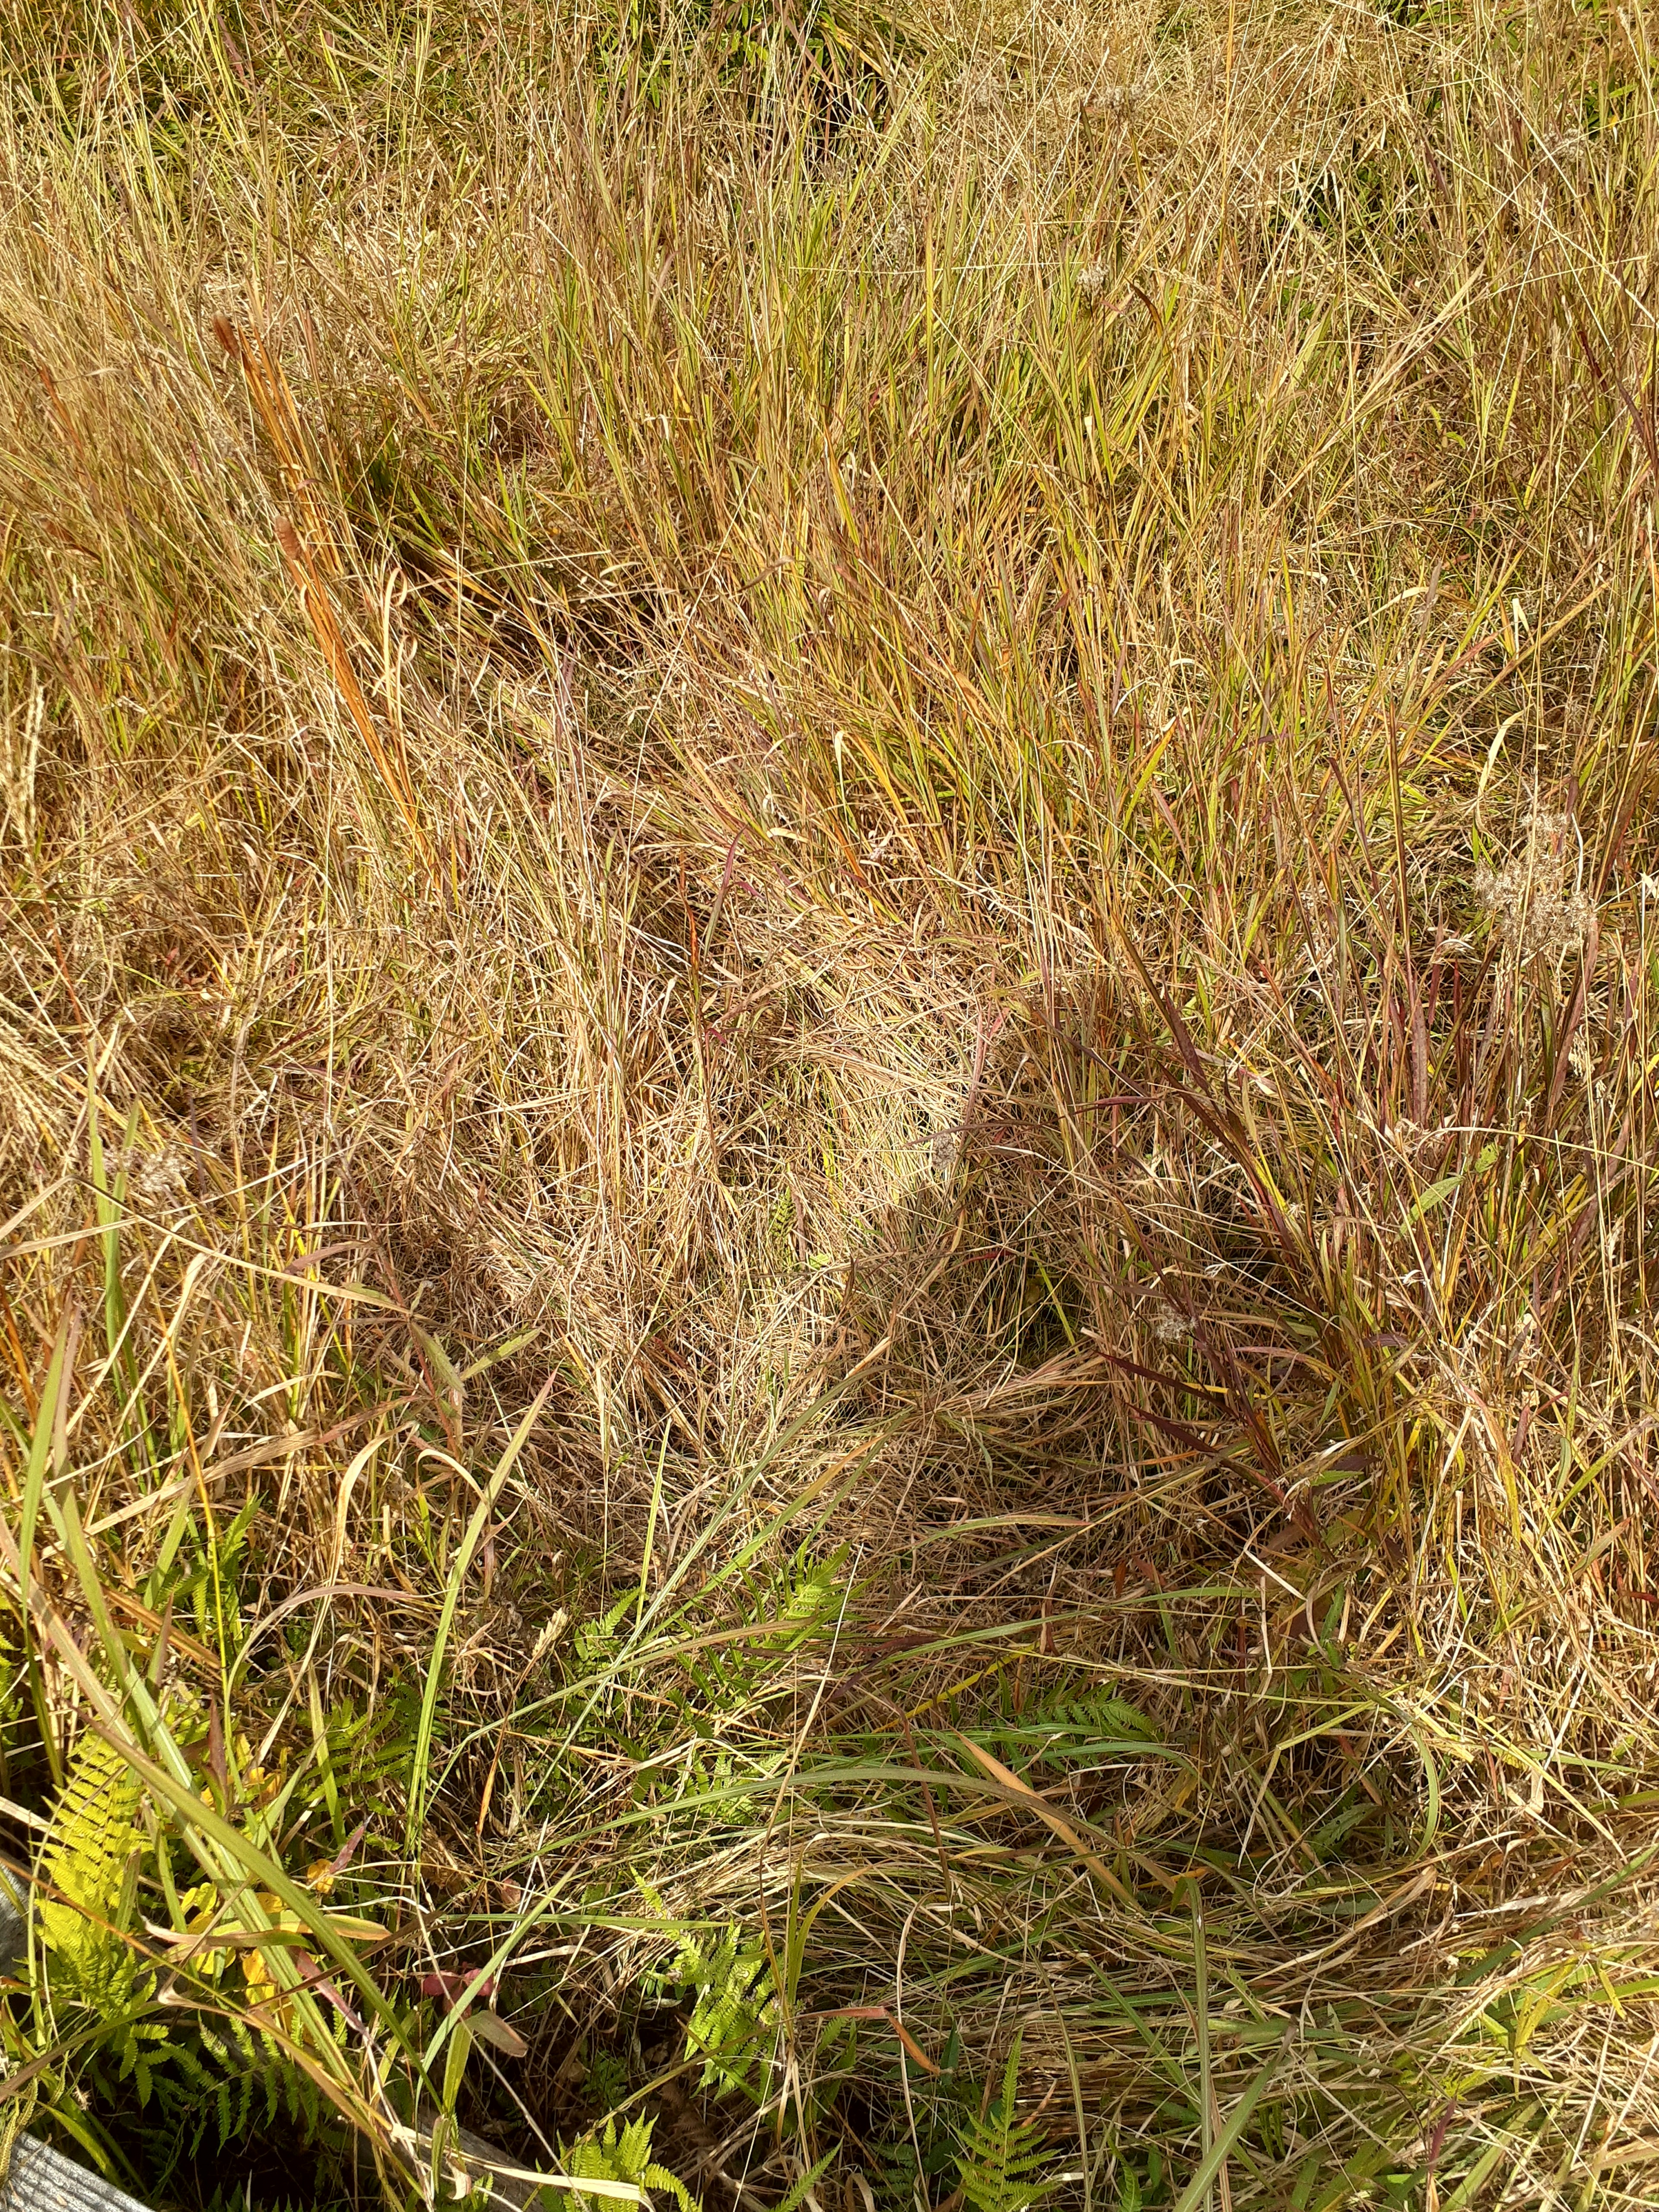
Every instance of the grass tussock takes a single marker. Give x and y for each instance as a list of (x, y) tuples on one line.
[(827, 1025)]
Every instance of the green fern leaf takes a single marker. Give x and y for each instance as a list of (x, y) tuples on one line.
[(624, 2157), (896, 2175), (733, 2022), (798, 2189), (84, 1868), (607, 2078), (1002, 2157)]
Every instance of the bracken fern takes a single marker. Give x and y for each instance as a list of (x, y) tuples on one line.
[(1003, 2163), (87, 1873)]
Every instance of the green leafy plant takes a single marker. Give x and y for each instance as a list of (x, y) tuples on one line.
[(88, 1874), (622, 2154), (607, 2077), (200, 2076), (732, 2021), (1003, 2160), (838, 50), (733, 2024)]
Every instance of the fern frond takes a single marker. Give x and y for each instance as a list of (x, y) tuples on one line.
[(732, 2023), (84, 1868), (895, 2174), (607, 2078), (798, 2189), (1002, 2156), (624, 2157)]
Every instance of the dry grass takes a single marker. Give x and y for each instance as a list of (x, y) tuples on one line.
[(927, 809)]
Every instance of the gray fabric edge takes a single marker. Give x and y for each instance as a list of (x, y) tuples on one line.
[(41, 2179), (481, 2160), (14, 1928)]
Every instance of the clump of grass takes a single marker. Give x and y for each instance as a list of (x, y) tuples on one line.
[(827, 1038)]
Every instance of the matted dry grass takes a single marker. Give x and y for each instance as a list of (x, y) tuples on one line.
[(924, 802)]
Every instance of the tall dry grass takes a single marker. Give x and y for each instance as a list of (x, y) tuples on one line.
[(827, 1026)]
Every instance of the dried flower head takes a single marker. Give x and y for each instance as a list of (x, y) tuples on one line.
[(1169, 1327), (1114, 103), (1535, 899), (152, 1180)]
